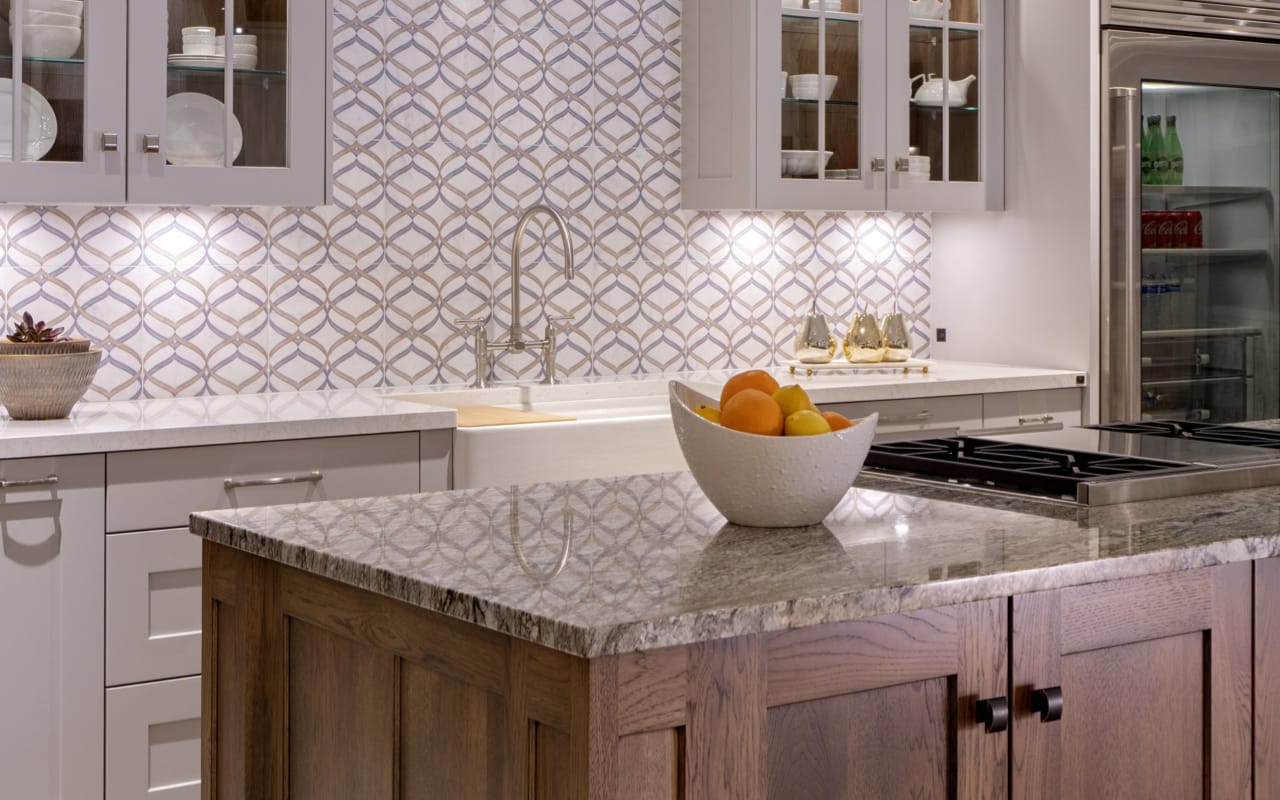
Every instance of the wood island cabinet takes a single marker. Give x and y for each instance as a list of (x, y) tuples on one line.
[(317, 689)]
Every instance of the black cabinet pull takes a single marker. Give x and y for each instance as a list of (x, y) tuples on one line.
[(1047, 703), (994, 713)]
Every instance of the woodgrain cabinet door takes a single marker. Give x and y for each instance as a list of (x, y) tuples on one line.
[(1135, 688), (1266, 675), (885, 707)]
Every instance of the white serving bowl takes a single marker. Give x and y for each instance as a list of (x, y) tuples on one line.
[(803, 163), (806, 87), (33, 17), (199, 30), (768, 481), (73, 7), (49, 41)]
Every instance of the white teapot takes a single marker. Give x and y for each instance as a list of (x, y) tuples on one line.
[(930, 91), (927, 9)]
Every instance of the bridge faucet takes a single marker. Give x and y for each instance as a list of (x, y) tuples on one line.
[(516, 341)]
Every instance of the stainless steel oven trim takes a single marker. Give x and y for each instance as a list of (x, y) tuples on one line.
[(1254, 19), (1129, 58)]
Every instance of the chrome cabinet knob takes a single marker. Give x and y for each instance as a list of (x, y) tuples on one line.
[(151, 143), (110, 143)]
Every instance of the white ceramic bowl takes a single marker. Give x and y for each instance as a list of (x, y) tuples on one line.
[(199, 30), (49, 41), (240, 50), (74, 7), (826, 5), (197, 49), (768, 481), (239, 39), (806, 87), (803, 163), (33, 17)]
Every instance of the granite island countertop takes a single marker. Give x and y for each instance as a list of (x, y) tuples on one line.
[(607, 566)]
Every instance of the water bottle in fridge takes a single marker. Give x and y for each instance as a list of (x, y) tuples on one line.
[(1173, 152)]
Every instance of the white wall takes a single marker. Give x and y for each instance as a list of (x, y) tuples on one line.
[(1020, 286)]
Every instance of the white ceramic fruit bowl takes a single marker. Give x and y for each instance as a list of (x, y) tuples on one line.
[(49, 41), (768, 481)]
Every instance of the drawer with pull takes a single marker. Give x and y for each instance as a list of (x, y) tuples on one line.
[(1026, 412), (151, 489), (917, 418)]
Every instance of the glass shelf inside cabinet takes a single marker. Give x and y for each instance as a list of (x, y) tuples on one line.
[(938, 109), (796, 102), (270, 73), (922, 32), (77, 62)]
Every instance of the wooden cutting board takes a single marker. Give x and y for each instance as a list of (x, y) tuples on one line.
[(485, 416)]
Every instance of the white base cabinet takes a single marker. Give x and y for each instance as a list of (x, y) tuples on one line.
[(970, 414), (51, 585), (153, 740)]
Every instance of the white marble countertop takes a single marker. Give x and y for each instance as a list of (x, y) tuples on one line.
[(227, 419)]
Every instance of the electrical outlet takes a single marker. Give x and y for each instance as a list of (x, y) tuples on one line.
[(942, 334)]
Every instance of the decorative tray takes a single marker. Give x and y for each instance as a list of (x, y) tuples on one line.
[(840, 365)]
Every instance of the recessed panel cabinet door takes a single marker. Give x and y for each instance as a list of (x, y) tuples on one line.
[(1135, 688)]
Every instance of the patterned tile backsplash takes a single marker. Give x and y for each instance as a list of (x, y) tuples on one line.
[(451, 118)]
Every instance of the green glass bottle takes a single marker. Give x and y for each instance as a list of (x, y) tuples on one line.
[(1159, 160), (1147, 148), (1173, 152)]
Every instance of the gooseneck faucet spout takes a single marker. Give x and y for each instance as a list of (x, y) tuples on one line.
[(517, 335)]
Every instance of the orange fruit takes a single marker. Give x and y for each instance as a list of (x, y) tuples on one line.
[(836, 420), (752, 411), (751, 379)]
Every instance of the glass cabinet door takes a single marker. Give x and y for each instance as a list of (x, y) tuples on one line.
[(65, 61), (818, 138), (228, 101), (945, 110)]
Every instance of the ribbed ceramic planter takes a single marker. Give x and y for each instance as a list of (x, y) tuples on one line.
[(8, 348), (45, 386)]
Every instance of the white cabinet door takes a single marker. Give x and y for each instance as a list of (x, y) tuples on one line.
[(1046, 409), (51, 585), (151, 489), (153, 605), (153, 741), (269, 100), (917, 418), (73, 81)]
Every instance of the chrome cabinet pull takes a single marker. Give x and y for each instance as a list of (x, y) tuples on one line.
[(901, 164), (877, 165), (307, 477), (110, 143), (48, 480), (151, 143), (1043, 419)]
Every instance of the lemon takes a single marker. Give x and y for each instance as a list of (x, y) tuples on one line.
[(708, 413), (792, 399), (805, 423)]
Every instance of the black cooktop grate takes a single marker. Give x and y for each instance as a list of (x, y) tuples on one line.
[(1201, 431), (1010, 465)]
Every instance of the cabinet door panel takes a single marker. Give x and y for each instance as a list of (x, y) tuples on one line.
[(1146, 668), (153, 606), (51, 567), (153, 741)]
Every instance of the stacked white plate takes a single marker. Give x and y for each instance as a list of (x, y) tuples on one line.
[(51, 28), (237, 61), (244, 47)]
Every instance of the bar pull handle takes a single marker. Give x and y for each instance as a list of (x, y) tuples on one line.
[(993, 713), (906, 419), (110, 143), (48, 480), (151, 143), (313, 476), (1047, 703), (1043, 419)]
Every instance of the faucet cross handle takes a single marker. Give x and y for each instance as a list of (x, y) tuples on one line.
[(471, 321)]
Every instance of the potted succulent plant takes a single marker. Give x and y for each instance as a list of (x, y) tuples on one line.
[(43, 373)]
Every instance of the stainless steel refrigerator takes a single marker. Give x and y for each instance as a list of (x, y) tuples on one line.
[(1190, 320)]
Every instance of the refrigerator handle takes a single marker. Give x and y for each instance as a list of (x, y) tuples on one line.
[(1125, 306)]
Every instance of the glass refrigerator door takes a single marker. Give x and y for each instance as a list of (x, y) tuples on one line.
[(1192, 311), (1208, 226)]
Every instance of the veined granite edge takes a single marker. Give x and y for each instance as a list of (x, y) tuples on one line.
[(693, 627)]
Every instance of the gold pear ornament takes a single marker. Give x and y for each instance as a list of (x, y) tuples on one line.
[(864, 344), (896, 336), (814, 342)]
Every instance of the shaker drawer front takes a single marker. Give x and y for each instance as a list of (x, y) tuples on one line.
[(153, 741), (153, 606), (1036, 410), (158, 488), (917, 418)]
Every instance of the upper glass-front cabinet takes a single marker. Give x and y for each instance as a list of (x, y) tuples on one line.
[(202, 118), (844, 104)]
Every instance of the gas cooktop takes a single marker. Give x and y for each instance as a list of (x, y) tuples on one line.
[(1200, 431), (1078, 465)]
